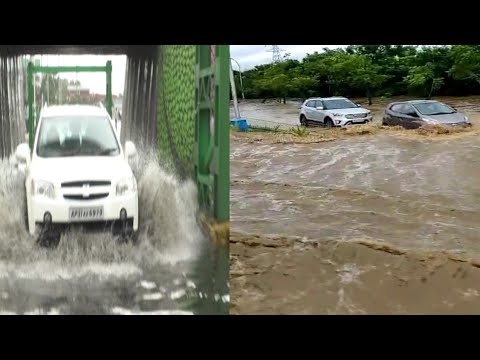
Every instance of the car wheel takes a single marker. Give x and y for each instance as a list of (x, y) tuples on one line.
[(25, 214), (49, 237), (328, 123), (303, 121), (128, 237)]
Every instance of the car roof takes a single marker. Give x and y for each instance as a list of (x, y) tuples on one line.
[(69, 110), (413, 102), (327, 98)]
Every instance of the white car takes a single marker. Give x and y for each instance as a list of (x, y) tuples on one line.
[(332, 112), (77, 171)]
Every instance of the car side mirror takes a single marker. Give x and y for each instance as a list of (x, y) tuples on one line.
[(319, 107), (359, 105), (130, 149), (22, 154)]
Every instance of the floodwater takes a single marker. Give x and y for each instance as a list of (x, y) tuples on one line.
[(270, 114), (319, 227), (174, 268), (415, 193)]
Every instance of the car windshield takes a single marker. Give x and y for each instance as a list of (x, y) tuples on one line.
[(433, 108), (63, 136), (338, 104)]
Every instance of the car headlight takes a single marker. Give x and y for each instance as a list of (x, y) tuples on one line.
[(466, 119), (43, 188), (126, 186)]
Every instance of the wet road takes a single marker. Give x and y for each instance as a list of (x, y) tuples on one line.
[(408, 192), (174, 269)]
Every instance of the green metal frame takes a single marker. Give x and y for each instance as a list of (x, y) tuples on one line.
[(32, 69), (212, 143)]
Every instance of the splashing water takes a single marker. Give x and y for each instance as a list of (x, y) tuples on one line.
[(168, 231)]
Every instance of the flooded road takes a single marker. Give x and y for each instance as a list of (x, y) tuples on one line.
[(420, 194), (174, 269), (318, 226)]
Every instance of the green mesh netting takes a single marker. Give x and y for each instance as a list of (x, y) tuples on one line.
[(176, 105)]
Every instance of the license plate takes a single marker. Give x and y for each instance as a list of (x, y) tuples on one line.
[(92, 213)]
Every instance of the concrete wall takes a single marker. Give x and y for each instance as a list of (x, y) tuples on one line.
[(139, 106), (12, 104)]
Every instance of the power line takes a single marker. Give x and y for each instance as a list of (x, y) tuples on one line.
[(277, 56)]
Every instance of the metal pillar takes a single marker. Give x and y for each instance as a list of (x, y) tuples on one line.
[(109, 100), (212, 148), (30, 85), (234, 93)]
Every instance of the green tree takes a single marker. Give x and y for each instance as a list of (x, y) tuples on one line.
[(466, 64), (423, 78)]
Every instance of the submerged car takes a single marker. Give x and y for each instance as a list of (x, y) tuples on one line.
[(416, 113), (333, 112), (78, 172)]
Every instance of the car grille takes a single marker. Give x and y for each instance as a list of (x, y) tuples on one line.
[(86, 182), (81, 197), (356, 116)]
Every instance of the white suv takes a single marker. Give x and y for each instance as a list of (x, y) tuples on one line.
[(333, 111), (77, 171)]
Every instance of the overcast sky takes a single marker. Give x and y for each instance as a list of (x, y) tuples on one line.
[(246, 55), (96, 82), (250, 55)]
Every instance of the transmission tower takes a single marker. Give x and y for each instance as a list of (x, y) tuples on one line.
[(277, 56)]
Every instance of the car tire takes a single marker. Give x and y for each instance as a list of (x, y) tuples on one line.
[(25, 214), (328, 123), (303, 121), (49, 237), (128, 237)]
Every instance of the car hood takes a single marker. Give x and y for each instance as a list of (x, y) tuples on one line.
[(58, 170), (446, 118), (349, 111)]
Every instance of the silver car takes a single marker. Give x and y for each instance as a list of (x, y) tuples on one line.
[(333, 112), (416, 113)]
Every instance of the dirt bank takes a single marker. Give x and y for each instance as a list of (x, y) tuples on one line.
[(284, 275)]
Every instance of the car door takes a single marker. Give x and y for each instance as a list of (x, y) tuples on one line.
[(410, 118), (309, 109), (318, 113), (393, 115)]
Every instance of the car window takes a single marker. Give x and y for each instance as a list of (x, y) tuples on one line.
[(76, 136), (409, 110), (433, 108), (338, 104), (311, 104), (397, 108)]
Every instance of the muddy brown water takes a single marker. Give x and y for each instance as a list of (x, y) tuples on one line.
[(409, 192), (414, 193)]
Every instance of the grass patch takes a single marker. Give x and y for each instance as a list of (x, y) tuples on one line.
[(299, 131)]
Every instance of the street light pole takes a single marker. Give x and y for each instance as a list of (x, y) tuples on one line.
[(241, 80), (234, 93)]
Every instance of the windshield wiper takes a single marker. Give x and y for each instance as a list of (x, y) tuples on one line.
[(442, 113), (107, 151), (71, 153)]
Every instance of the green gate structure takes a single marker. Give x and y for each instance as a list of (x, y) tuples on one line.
[(32, 69), (177, 97), (193, 119)]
